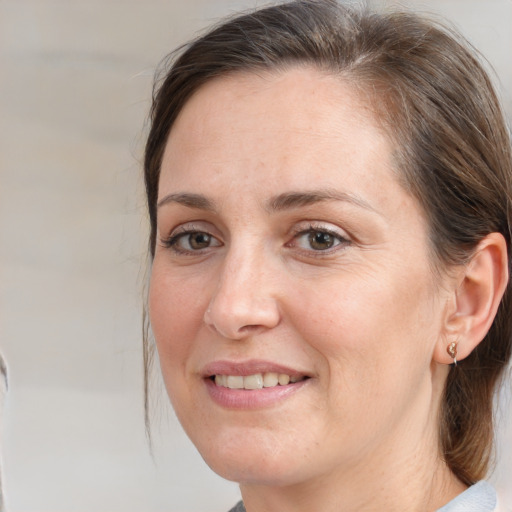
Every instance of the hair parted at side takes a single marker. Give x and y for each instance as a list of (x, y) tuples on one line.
[(453, 152)]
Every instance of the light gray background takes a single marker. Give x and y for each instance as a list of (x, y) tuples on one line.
[(75, 81)]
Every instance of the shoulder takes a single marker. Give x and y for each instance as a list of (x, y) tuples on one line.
[(239, 507), (480, 497)]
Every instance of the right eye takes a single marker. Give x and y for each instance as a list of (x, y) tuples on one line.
[(191, 241)]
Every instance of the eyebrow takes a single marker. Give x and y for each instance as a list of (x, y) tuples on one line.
[(196, 201), (281, 202), (291, 200)]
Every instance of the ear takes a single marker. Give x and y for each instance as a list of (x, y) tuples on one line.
[(476, 299)]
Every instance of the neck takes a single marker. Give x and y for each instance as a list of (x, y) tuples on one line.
[(413, 485)]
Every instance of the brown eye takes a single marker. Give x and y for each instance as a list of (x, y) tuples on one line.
[(190, 241), (198, 241), (320, 240)]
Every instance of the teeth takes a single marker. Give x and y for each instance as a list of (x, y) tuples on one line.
[(235, 382), (253, 381), (284, 379), (256, 381), (270, 380)]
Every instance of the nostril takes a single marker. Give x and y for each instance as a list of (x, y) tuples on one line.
[(249, 328)]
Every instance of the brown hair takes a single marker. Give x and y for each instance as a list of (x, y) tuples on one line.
[(453, 152)]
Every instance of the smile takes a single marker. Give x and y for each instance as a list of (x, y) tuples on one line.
[(256, 381)]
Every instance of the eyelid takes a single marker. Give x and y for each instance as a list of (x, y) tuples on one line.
[(173, 243), (311, 225), (181, 229), (192, 226), (303, 228), (171, 240)]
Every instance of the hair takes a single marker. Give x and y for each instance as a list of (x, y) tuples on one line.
[(436, 103)]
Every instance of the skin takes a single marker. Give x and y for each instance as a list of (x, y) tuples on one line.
[(363, 319)]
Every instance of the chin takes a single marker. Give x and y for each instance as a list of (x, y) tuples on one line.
[(253, 457), (253, 470)]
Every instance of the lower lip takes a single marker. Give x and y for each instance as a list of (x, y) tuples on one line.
[(251, 398)]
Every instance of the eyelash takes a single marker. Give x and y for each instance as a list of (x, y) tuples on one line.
[(340, 240), (172, 241), (174, 238)]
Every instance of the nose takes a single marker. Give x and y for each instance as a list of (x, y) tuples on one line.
[(244, 301)]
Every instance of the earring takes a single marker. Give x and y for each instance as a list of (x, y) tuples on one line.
[(452, 350)]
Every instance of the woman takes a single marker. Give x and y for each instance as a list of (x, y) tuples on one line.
[(329, 198)]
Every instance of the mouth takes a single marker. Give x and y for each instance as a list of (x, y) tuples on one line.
[(252, 384), (256, 380)]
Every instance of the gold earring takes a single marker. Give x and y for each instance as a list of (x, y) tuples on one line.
[(452, 350)]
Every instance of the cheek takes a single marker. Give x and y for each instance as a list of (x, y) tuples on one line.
[(362, 322), (372, 336), (176, 311)]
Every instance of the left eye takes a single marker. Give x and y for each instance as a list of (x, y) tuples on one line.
[(318, 240)]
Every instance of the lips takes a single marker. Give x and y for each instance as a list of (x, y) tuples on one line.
[(252, 383)]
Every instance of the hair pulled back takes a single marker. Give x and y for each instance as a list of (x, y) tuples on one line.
[(453, 152)]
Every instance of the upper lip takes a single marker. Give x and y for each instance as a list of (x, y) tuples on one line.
[(245, 368)]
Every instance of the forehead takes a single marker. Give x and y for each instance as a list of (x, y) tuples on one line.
[(303, 97), (295, 128)]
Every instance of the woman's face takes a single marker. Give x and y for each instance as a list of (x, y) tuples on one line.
[(288, 256)]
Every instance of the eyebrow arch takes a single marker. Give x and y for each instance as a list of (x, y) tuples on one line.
[(291, 200), (196, 201)]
